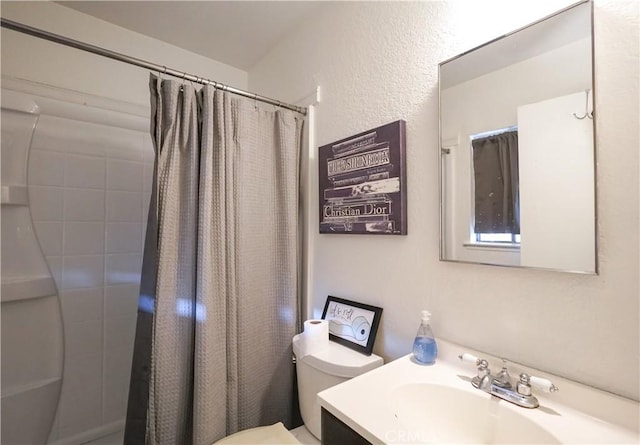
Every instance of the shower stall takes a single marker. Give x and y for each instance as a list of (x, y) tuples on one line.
[(74, 212), (76, 182)]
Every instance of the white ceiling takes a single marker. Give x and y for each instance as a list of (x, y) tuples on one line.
[(238, 33)]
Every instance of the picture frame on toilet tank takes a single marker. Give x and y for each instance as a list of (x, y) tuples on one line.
[(363, 183), (352, 324)]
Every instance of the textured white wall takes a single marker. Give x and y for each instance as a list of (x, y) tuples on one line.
[(377, 62), (30, 58)]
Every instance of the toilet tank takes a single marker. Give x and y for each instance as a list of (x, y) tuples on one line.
[(319, 371)]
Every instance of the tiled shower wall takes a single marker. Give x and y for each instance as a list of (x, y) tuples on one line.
[(89, 188)]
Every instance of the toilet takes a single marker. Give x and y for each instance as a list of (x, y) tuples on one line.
[(316, 372)]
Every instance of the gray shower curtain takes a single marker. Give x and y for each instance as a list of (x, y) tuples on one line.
[(219, 295)]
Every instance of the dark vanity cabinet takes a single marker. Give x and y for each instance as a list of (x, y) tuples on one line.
[(336, 432)]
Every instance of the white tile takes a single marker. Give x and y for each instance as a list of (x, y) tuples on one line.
[(50, 237), (82, 338), (124, 206), (82, 304), (146, 200), (45, 203), (116, 383), (145, 217), (144, 236), (85, 138), (124, 175), (147, 181), (123, 268), (55, 265), (46, 168), (82, 271), (55, 430), (116, 438), (84, 205), (87, 422), (83, 238), (121, 300), (126, 144), (80, 405), (148, 153), (124, 238), (120, 332), (85, 171), (65, 135)]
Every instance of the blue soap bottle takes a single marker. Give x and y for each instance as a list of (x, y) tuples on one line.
[(425, 349)]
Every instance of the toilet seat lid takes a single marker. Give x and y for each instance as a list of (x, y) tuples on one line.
[(338, 360)]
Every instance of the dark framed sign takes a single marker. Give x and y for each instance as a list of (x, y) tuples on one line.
[(352, 324), (363, 183)]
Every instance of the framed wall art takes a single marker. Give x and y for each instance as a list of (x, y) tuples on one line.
[(363, 183), (352, 324)]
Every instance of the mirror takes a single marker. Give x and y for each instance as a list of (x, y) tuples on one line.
[(517, 153)]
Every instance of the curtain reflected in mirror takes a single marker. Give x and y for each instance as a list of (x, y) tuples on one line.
[(495, 170)]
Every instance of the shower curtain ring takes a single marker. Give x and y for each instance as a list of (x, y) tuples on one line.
[(182, 85)]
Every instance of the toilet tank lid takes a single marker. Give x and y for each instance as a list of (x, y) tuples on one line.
[(338, 360)]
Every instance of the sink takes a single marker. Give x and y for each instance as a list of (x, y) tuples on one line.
[(435, 413), (403, 402)]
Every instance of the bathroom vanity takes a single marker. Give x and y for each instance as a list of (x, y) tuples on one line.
[(335, 431), (405, 402)]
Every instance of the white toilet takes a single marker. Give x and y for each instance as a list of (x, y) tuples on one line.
[(316, 372)]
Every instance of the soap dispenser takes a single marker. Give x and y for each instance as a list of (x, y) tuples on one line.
[(425, 349)]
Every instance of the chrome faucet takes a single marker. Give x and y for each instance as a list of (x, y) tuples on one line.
[(501, 386), (503, 379)]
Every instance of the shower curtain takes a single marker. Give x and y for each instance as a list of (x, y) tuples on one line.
[(219, 296)]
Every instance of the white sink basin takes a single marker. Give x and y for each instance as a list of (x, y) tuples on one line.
[(442, 414), (403, 403)]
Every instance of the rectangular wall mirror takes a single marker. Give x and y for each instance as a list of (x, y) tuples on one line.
[(517, 152)]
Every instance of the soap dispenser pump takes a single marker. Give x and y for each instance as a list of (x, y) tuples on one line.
[(425, 349)]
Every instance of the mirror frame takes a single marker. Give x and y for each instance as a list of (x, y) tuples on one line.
[(441, 149)]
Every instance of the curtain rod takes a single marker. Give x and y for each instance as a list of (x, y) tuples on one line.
[(15, 26)]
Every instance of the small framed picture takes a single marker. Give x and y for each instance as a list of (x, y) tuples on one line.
[(352, 324)]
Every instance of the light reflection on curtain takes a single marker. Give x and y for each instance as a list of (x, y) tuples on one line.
[(495, 166), (223, 269)]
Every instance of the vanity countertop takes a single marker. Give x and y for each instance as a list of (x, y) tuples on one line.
[(575, 414)]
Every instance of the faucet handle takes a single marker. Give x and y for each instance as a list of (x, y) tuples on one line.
[(523, 387), (482, 364), (483, 368), (468, 358), (526, 382), (543, 385)]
